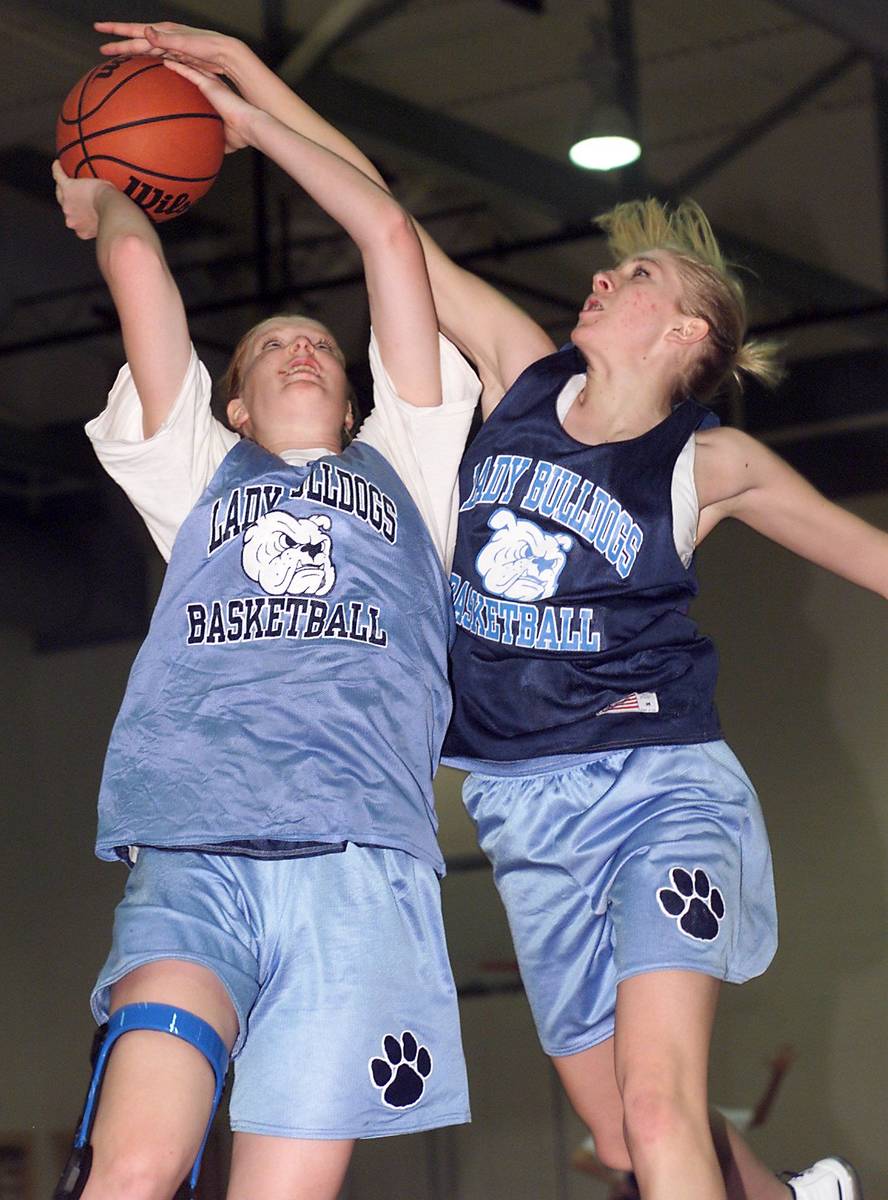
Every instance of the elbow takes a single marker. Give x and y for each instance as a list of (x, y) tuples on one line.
[(397, 232)]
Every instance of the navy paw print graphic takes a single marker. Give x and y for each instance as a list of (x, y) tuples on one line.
[(401, 1075), (697, 906)]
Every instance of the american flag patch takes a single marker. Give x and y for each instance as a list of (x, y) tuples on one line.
[(645, 702)]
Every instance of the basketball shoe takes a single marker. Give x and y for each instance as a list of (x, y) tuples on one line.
[(828, 1179)]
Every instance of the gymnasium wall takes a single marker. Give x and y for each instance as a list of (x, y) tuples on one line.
[(804, 659)]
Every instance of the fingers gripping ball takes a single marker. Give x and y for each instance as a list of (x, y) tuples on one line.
[(146, 130)]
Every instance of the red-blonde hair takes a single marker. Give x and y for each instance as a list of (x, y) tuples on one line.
[(232, 381), (711, 291)]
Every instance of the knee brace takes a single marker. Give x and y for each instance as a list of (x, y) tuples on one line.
[(161, 1018)]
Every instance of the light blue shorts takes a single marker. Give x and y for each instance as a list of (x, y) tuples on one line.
[(642, 859), (338, 971)]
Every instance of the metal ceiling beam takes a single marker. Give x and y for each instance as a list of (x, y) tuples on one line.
[(573, 196), (621, 26), (804, 317), (861, 23), (622, 35), (521, 174), (337, 24), (82, 13), (395, 122), (880, 96), (275, 40), (762, 125), (340, 22), (535, 6), (109, 326), (337, 237)]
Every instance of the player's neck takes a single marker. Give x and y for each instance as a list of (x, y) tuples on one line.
[(279, 441), (617, 406)]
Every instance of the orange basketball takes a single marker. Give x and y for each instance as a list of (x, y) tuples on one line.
[(145, 129)]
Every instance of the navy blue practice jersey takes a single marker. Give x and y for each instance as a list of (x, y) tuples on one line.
[(570, 597)]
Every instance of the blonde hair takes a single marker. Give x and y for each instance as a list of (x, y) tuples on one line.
[(232, 381), (711, 290)]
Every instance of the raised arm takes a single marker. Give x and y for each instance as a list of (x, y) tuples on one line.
[(738, 477), (152, 317), (498, 336), (401, 305)]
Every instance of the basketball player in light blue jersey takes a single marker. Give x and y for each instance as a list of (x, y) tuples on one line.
[(601, 786), (269, 775)]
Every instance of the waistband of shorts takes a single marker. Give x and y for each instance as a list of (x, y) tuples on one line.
[(553, 763)]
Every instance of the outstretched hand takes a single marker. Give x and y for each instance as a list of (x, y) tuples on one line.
[(201, 48), (78, 199), (237, 115)]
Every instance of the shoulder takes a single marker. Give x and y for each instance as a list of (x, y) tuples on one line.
[(499, 371), (737, 476), (121, 421), (725, 462)]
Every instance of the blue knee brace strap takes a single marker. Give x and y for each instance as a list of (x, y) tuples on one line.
[(161, 1018)]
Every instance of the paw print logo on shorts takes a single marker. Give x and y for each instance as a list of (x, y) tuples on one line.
[(696, 905), (401, 1075)]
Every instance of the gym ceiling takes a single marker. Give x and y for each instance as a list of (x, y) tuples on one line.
[(774, 115)]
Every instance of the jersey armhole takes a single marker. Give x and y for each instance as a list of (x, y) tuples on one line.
[(685, 505)]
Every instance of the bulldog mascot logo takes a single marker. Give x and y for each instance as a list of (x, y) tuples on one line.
[(521, 561), (289, 556)]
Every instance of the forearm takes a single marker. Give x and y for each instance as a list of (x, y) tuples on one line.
[(149, 307), (367, 212), (736, 476), (827, 535), (258, 84)]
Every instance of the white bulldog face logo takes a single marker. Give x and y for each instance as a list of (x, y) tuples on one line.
[(521, 561), (289, 555)]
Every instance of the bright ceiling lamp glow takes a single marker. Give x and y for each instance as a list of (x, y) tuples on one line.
[(606, 142), (604, 153)]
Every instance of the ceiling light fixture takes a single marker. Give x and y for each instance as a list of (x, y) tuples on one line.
[(607, 141), (607, 137)]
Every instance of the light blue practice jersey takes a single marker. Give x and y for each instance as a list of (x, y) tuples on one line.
[(293, 684)]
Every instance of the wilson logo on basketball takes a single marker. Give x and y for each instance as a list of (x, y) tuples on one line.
[(155, 200)]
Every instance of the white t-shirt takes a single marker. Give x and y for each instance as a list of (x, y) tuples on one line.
[(164, 475)]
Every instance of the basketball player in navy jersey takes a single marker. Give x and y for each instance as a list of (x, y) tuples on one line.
[(270, 772), (601, 786)]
